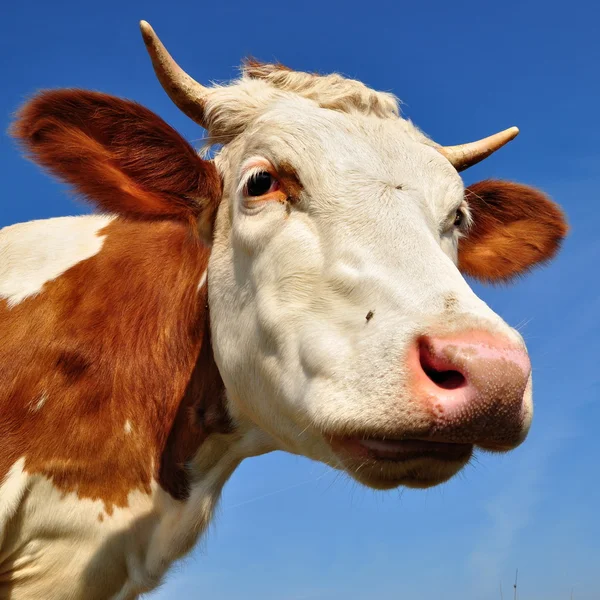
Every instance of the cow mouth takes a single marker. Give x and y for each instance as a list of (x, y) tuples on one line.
[(381, 449)]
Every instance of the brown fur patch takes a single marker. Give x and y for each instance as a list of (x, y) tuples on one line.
[(514, 228), (119, 155), (290, 182), (116, 338)]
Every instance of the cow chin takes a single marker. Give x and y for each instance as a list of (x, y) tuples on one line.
[(419, 474), (410, 463)]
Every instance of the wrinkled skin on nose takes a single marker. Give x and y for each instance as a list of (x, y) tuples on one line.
[(475, 386)]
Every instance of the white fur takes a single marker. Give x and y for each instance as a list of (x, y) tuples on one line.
[(12, 489), (80, 551), (202, 280), (39, 402), (289, 287), (31, 254)]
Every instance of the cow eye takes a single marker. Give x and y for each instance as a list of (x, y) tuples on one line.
[(261, 183), (459, 217)]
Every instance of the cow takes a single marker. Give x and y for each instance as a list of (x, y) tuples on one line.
[(303, 290)]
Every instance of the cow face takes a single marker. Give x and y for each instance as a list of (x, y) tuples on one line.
[(341, 322)]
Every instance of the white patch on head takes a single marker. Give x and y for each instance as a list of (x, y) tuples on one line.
[(290, 286), (33, 253), (202, 280), (37, 404), (127, 426)]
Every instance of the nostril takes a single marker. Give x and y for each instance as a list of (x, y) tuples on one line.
[(448, 380), (439, 369)]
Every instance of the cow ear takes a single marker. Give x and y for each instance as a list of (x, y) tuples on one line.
[(514, 227), (120, 156)]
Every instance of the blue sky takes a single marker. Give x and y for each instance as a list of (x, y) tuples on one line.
[(292, 529)]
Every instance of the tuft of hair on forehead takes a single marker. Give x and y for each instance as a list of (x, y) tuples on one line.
[(328, 91), (232, 107)]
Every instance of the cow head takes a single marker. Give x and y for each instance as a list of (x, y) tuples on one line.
[(341, 323)]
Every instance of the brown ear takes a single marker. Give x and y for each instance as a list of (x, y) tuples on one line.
[(120, 156), (514, 228)]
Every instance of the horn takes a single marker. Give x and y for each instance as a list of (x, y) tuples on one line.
[(186, 93), (466, 155)]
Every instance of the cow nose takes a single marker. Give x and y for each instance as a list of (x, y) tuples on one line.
[(475, 385)]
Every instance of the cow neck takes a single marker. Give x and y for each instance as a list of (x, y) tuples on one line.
[(119, 348), (201, 413)]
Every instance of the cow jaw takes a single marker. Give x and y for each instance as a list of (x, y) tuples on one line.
[(319, 297)]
